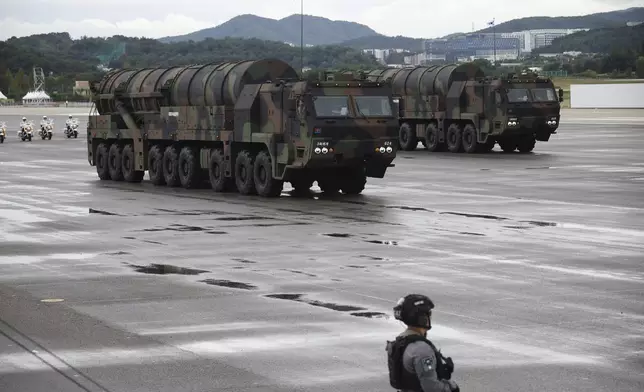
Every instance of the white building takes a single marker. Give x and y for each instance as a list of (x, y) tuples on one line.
[(382, 54), (534, 39)]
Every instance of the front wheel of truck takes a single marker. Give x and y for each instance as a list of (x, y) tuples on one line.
[(354, 181)]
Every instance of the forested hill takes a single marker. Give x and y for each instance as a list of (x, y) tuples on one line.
[(59, 54), (317, 30), (606, 41), (591, 21)]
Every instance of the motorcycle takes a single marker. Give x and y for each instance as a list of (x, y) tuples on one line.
[(47, 129), (3, 132), (72, 129), (26, 131)]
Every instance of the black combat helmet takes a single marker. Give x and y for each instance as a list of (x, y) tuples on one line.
[(415, 310)]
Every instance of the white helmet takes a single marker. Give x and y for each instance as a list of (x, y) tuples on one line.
[(24, 119), (44, 117), (70, 116)]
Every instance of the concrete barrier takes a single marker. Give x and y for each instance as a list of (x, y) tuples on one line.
[(607, 96)]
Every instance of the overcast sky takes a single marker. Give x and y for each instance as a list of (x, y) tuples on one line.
[(158, 18)]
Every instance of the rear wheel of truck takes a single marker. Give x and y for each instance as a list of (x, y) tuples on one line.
[(265, 184), (101, 159), (171, 166), (302, 185), (407, 138), (155, 165), (217, 174), (354, 181), (488, 145), (470, 143), (454, 138), (329, 184), (128, 167), (526, 144), (189, 171), (114, 162), (432, 140), (244, 179)]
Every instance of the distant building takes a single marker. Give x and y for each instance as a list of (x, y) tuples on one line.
[(382, 54), (474, 46), (81, 87)]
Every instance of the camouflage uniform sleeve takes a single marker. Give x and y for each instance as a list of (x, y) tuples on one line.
[(420, 359)]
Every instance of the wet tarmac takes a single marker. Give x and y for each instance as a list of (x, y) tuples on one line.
[(534, 262)]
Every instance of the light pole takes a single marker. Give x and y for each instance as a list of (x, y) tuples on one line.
[(491, 23), (302, 38)]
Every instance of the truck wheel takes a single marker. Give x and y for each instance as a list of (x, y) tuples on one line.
[(454, 138), (470, 143), (329, 184), (155, 165), (407, 138), (508, 145), (171, 166), (114, 162), (217, 172), (526, 144), (265, 184), (189, 171), (244, 179), (302, 185), (354, 181), (432, 140), (102, 158), (130, 174), (488, 145)]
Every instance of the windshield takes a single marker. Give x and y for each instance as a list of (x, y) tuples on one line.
[(518, 95), (544, 95), (331, 105), (373, 106)]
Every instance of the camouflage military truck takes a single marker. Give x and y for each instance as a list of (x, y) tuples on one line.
[(457, 107), (249, 126)]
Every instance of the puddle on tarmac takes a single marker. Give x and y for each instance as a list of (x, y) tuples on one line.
[(371, 258), (370, 314), (101, 212), (300, 272), (189, 212), (356, 266), (409, 208), (475, 234), (229, 284), (245, 261), (275, 224), (242, 218), (475, 215), (154, 242), (327, 305), (338, 235), (539, 168), (121, 253), (177, 227), (517, 227), (165, 269), (382, 242), (540, 223)]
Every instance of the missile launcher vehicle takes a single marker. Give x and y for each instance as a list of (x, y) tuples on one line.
[(247, 126), (458, 108)]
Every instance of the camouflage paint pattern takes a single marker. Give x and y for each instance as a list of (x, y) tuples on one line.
[(246, 107), (458, 106)]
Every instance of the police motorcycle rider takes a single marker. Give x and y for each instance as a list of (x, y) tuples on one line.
[(415, 365), (69, 127), (22, 133)]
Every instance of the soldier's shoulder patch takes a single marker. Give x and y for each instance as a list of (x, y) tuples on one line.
[(428, 363)]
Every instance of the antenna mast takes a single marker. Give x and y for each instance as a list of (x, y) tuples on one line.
[(302, 38)]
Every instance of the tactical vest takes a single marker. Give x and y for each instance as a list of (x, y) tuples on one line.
[(399, 377)]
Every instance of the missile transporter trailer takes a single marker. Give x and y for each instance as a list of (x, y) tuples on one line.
[(458, 108), (248, 125)]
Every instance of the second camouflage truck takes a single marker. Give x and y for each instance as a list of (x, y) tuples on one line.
[(458, 108), (248, 125)]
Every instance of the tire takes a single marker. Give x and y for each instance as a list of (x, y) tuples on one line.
[(217, 172), (470, 139), (329, 184), (244, 178), (49, 136), (488, 145), (75, 135), (432, 140), (101, 159), (115, 162), (407, 138), (508, 145), (302, 185), (155, 166), (128, 165), (189, 170), (171, 166), (353, 183), (526, 144), (265, 184), (454, 138)]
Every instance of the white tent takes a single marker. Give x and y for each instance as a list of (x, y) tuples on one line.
[(36, 97), (2, 96)]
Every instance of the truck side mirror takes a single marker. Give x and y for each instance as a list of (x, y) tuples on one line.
[(561, 95)]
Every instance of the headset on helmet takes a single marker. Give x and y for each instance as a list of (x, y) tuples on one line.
[(415, 310)]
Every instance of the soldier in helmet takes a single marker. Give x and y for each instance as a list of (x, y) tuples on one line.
[(414, 363)]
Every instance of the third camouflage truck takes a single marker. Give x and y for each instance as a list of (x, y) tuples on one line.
[(248, 125), (457, 107)]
